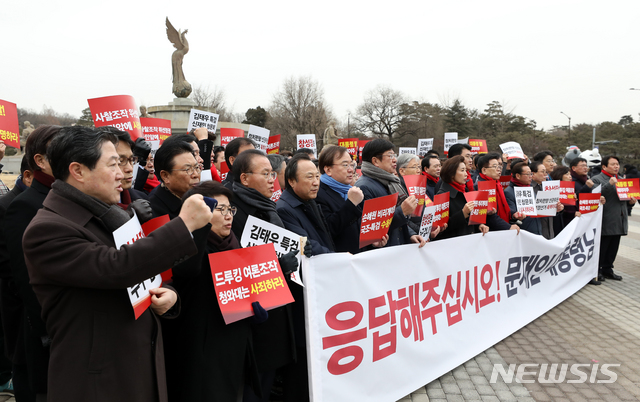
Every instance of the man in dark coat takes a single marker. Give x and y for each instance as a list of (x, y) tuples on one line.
[(32, 349), (231, 152), (81, 278), (431, 168)]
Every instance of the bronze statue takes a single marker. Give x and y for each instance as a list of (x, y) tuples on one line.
[(181, 87), (331, 134), (143, 112), (28, 129)]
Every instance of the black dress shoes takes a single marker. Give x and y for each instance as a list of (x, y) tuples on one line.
[(612, 276), (601, 278), (594, 281)]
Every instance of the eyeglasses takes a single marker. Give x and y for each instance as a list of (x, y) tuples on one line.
[(267, 175), (224, 210), (493, 167), (190, 170), (526, 174), (123, 161), (412, 167), (392, 156), (345, 165)]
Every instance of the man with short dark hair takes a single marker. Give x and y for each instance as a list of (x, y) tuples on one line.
[(431, 168), (81, 277), (231, 152), (614, 217)]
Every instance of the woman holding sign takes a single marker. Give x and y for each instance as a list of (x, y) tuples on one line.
[(454, 177)]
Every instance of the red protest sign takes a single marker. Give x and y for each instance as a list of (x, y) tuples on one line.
[(479, 213), (588, 202), (224, 170), (248, 275), (504, 181), (119, 111), (273, 146), (150, 226), (229, 134), (361, 144), (478, 146), (9, 126), (417, 186), (567, 193), (628, 188), (377, 214), (351, 144), (490, 188), (441, 217), (277, 191), (155, 129)]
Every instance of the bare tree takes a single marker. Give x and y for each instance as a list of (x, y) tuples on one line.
[(212, 99), (381, 112), (298, 108)]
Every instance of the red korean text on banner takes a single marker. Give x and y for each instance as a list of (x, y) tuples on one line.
[(9, 125), (504, 181), (377, 215), (119, 111), (351, 144), (150, 226), (479, 213), (155, 129), (273, 146), (478, 146), (490, 188), (229, 134), (361, 144), (248, 275), (417, 186), (568, 193), (628, 188), (277, 191), (588, 202), (224, 170), (441, 217)]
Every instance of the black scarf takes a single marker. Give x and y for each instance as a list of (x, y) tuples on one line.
[(228, 243), (253, 197), (111, 215)]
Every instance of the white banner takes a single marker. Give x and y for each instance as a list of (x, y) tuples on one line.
[(260, 136), (449, 140), (383, 323), (424, 145), (407, 150), (201, 118), (512, 149), (547, 202), (307, 141)]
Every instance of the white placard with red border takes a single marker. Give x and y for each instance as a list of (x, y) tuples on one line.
[(512, 149), (202, 118), (424, 145), (307, 141), (449, 140), (260, 136)]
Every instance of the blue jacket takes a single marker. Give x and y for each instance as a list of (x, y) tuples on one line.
[(342, 217), (398, 231)]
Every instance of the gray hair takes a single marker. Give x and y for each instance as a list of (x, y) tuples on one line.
[(276, 161), (405, 159)]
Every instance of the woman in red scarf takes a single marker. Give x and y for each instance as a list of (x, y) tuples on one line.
[(454, 177), (489, 169)]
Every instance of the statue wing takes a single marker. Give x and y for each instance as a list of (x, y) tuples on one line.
[(174, 36)]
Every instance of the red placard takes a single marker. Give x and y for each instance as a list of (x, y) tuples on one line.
[(441, 202), (361, 144), (478, 146), (504, 181), (247, 275), (224, 170), (229, 134), (417, 186), (628, 188), (277, 191), (151, 225), (568, 193), (490, 188), (155, 129), (9, 126), (273, 146), (377, 215), (479, 213), (351, 144), (588, 202), (119, 111)]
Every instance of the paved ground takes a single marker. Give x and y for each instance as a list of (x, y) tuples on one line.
[(597, 325)]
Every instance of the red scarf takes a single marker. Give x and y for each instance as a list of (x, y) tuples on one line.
[(457, 186), (125, 199), (607, 174), (43, 178), (469, 182), (151, 184), (433, 179), (519, 183), (503, 207)]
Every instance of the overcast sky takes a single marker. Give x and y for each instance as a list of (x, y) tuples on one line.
[(537, 58)]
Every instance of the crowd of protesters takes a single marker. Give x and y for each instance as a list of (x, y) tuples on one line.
[(69, 333)]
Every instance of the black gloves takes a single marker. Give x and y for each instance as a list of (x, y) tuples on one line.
[(289, 262), (142, 208), (308, 250), (141, 149), (260, 315)]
